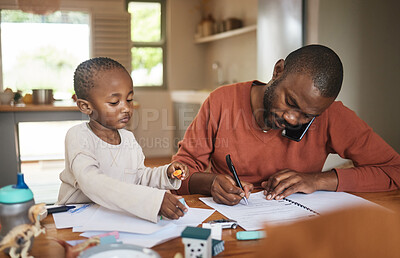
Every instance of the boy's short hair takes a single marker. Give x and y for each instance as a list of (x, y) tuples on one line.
[(86, 73)]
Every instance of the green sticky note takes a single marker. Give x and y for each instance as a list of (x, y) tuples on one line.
[(250, 235)]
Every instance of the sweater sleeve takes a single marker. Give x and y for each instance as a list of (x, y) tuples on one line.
[(376, 164), (139, 200), (197, 144), (156, 177)]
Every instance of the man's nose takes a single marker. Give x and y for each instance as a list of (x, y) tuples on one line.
[(292, 117)]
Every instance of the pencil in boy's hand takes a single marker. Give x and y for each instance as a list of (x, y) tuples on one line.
[(177, 170)]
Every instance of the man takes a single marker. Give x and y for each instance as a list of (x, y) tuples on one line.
[(246, 121)]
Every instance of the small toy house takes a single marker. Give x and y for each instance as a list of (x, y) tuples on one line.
[(197, 242)]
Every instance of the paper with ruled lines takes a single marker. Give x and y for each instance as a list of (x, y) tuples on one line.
[(303, 206)]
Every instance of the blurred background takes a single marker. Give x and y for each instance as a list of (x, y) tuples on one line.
[(177, 51)]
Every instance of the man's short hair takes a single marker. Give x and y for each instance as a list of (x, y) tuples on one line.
[(321, 63), (87, 72)]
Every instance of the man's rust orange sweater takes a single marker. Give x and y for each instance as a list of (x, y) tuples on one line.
[(225, 125)]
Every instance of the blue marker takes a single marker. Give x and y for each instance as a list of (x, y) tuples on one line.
[(183, 202), (80, 209)]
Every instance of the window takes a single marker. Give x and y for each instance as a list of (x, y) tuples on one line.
[(148, 43), (42, 51)]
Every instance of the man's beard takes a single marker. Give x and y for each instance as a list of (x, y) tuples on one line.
[(269, 98)]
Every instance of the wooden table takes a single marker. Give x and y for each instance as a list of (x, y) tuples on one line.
[(44, 247)]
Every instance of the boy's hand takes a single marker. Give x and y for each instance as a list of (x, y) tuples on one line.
[(171, 207), (177, 170)]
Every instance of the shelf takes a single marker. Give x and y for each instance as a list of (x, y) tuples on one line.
[(226, 34)]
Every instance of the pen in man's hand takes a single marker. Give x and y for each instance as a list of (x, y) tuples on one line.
[(233, 170), (60, 209)]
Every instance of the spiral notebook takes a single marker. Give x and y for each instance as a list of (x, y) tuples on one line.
[(301, 206), (290, 209)]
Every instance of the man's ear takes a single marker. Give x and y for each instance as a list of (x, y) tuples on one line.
[(278, 69), (84, 106)]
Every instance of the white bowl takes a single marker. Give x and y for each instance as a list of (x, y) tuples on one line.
[(6, 97), (117, 250)]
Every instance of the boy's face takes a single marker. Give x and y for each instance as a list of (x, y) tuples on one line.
[(111, 99)]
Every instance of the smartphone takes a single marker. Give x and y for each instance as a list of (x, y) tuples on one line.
[(298, 133)]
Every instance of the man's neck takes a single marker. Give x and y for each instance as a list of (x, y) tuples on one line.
[(257, 106)]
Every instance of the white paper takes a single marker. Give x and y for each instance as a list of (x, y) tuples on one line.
[(148, 240), (324, 202), (193, 217), (261, 211), (68, 219), (108, 220)]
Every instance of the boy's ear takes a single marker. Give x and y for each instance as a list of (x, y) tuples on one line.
[(278, 69), (84, 106)]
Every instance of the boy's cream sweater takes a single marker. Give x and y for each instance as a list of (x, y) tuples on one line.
[(113, 176)]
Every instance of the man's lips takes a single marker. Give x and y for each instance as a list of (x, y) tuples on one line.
[(279, 125)]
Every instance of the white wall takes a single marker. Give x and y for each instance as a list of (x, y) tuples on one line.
[(152, 122), (185, 59), (190, 64), (237, 56), (279, 33), (366, 36)]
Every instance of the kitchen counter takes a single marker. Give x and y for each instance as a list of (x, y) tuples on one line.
[(31, 107), (11, 116)]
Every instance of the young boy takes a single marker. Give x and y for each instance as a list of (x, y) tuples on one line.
[(103, 162)]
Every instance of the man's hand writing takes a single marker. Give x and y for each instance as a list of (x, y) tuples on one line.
[(225, 191)]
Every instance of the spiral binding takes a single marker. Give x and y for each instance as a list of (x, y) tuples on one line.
[(301, 205)]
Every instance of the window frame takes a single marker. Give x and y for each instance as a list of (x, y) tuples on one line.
[(162, 43)]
